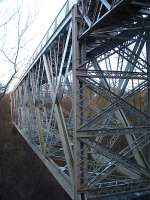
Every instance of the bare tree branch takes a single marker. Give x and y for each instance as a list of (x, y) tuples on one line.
[(4, 88), (8, 20), (6, 56), (13, 59)]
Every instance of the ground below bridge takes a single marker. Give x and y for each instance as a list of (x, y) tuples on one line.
[(22, 174)]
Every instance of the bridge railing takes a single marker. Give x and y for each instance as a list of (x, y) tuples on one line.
[(57, 21)]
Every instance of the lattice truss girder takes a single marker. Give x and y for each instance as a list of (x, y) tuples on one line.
[(43, 105), (85, 103)]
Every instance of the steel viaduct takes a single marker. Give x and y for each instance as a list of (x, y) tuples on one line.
[(83, 103)]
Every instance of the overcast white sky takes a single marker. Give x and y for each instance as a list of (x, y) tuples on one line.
[(45, 11)]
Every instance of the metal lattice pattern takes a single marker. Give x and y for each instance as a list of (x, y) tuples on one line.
[(84, 103)]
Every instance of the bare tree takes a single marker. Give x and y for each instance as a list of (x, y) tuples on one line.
[(12, 55)]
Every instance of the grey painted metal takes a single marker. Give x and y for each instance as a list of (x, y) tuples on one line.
[(83, 103)]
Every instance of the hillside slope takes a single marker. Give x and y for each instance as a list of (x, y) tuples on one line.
[(22, 175)]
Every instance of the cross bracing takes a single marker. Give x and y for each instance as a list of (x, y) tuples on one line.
[(83, 104)]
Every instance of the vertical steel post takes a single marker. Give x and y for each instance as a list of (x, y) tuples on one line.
[(78, 56), (148, 69), (75, 64)]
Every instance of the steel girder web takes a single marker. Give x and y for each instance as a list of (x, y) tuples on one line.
[(111, 99)]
